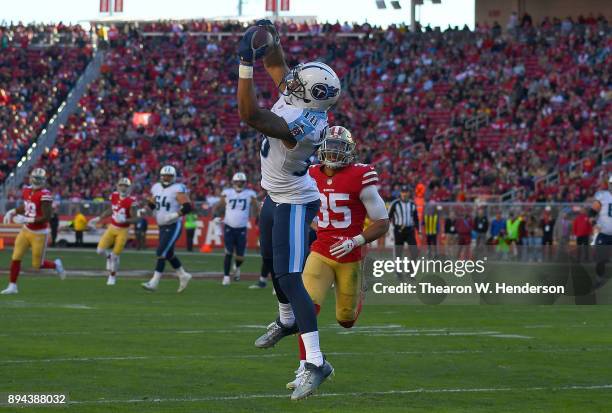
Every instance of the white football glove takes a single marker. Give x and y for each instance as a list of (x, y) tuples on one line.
[(94, 221), (141, 212), (22, 219), (8, 217), (344, 246)]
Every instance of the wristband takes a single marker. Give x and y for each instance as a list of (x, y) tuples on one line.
[(359, 240), (245, 72)]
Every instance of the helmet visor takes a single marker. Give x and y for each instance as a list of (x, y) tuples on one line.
[(37, 181), (292, 85)]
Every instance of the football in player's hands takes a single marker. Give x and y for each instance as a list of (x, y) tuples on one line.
[(269, 26), (262, 38), (254, 44)]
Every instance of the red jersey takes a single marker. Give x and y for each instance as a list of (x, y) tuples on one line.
[(32, 200), (342, 214), (121, 209)]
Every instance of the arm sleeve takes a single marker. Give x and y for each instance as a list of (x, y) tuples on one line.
[(374, 204)]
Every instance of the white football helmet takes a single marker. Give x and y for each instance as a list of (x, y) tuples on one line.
[(312, 85), (38, 178), (239, 181), (167, 175), (123, 186)]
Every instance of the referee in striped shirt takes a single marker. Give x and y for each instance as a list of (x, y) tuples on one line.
[(405, 219)]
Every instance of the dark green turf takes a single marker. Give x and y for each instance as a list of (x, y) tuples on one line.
[(83, 338)]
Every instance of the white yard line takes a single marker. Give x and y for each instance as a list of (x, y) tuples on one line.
[(274, 355), (566, 388)]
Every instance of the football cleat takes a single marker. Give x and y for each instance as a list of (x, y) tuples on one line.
[(276, 331), (111, 280), (226, 281), (298, 376), (11, 289), (258, 285), (311, 379), (184, 278), (237, 274), (59, 267), (149, 286)]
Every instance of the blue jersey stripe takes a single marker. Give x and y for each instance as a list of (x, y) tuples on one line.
[(174, 238)]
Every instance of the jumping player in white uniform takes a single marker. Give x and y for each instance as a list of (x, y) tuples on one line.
[(602, 209), (238, 203), (169, 201), (292, 132)]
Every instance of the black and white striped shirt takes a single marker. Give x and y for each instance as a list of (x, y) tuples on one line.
[(403, 214)]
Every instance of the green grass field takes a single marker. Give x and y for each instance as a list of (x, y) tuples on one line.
[(121, 349)]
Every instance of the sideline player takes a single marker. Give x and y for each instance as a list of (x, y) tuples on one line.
[(169, 201), (238, 203), (34, 214), (602, 209), (122, 213), (292, 132), (348, 194)]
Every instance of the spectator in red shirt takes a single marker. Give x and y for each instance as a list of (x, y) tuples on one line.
[(582, 228)]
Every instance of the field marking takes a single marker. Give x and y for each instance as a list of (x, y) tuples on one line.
[(571, 387), (25, 304), (275, 355)]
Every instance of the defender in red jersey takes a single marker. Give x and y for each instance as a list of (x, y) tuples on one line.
[(123, 214), (34, 214), (348, 195)]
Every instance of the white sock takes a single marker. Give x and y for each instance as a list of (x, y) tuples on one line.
[(262, 279), (114, 263), (156, 277), (302, 364), (180, 270), (313, 351), (226, 278), (287, 318), (12, 284)]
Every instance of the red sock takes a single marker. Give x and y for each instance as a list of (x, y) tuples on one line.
[(301, 342), (15, 268), (302, 348), (48, 265)]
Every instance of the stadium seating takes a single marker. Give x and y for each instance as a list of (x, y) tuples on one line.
[(470, 114), (38, 67)]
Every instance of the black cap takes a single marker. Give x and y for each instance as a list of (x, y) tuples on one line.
[(404, 188)]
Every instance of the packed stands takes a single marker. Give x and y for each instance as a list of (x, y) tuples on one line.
[(39, 65), (468, 113)]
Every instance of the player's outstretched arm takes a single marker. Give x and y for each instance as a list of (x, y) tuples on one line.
[(274, 59), (106, 213), (261, 119)]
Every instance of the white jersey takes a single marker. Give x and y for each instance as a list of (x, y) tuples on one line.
[(237, 207), (604, 219), (284, 171), (165, 200)]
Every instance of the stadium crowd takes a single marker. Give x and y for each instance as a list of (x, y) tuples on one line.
[(35, 78), (540, 94)]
